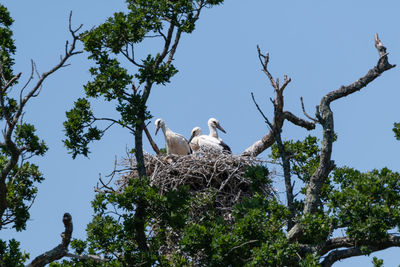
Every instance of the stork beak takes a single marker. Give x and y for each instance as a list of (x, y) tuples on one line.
[(157, 130), (219, 127)]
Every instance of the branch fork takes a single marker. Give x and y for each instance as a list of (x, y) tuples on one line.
[(324, 115)]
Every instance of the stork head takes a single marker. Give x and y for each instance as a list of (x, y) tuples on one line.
[(159, 124), (214, 123), (195, 132)]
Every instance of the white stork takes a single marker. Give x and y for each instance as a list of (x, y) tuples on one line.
[(174, 142), (213, 125), (199, 142)]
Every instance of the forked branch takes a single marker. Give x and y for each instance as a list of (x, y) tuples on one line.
[(279, 115), (325, 115)]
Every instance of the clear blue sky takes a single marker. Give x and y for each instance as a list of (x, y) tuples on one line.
[(321, 45)]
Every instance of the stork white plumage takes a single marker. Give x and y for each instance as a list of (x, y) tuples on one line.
[(175, 143), (204, 143), (213, 124), (194, 139)]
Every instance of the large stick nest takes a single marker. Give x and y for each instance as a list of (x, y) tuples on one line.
[(216, 182), (210, 176)]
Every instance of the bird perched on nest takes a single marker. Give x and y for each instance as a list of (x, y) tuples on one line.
[(209, 142), (175, 143)]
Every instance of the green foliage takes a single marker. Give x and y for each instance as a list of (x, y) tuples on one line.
[(10, 254), (161, 75), (163, 151), (9, 108), (7, 46), (310, 260), (21, 192), (26, 140), (114, 234), (79, 118), (110, 80), (377, 262), (316, 227), (366, 204), (304, 156), (79, 248), (255, 239), (396, 130), (259, 175), (116, 40), (184, 228), (20, 142), (25, 137)]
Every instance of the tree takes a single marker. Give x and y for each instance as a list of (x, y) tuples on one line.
[(119, 36), (142, 223), (19, 177)]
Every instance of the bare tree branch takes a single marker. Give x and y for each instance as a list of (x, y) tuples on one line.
[(352, 250), (28, 81), (68, 53), (305, 113), (113, 121), (152, 143), (285, 162), (59, 251), (13, 119), (130, 58), (10, 83), (326, 165), (298, 121), (174, 46), (279, 115)]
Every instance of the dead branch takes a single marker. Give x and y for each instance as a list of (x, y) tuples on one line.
[(305, 113), (70, 50), (279, 115), (353, 250), (299, 121), (59, 251), (325, 115), (285, 157), (152, 143)]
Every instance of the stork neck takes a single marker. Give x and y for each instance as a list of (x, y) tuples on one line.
[(213, 132), (165, 129)]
